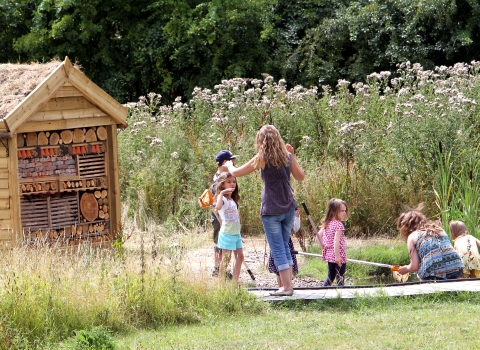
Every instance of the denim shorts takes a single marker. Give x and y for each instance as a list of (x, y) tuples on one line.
[(229, 242)]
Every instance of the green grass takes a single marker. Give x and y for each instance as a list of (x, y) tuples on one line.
[(393, 254), (425, 322)]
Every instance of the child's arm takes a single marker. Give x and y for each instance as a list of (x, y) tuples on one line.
[(219, 204), (414, 259), (336, 245), (320, 237)]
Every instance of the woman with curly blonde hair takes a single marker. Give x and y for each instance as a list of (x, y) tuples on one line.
[(431, 254), (276, 162)]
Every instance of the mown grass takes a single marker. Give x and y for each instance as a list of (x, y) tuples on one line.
[(424, 322)]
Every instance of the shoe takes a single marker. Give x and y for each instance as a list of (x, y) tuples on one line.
[(283, 293), (215, 271)]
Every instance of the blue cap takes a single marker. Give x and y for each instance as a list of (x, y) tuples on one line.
[(224, 155)]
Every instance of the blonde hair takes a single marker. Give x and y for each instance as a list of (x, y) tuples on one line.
[(414, 220), (457, 228), (270, 147), (333, 208)]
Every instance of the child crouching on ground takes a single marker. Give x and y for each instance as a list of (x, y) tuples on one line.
[(466, 247), (229, 239)]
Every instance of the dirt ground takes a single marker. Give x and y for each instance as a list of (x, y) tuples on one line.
[(200, 259), (256, 252)]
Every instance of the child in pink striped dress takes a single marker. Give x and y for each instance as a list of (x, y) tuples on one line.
[(332, 240)]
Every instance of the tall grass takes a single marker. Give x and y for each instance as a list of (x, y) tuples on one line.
[(373, 144), (48, 293)]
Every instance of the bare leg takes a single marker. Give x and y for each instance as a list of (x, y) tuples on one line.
[(286, 278), (238, 263), (227, 254), (280, 285), (218, 256)]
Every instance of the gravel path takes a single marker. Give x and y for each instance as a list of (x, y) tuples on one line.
[(256, 254)]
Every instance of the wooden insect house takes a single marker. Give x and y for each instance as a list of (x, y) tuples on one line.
[(58, 155)]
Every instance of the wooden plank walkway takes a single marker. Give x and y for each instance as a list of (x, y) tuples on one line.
[(392, 290)]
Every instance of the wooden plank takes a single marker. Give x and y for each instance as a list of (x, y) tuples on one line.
[(3, 163), (97, 96), (3, 126), (4, 214), (67, 114), (5, 234), (4, 193), (5, 203), (36, 99), (67, 91), (4, 174), (87, 122), (113, 179), (4, 183), (14, 195), (46, 125), (66, 103)]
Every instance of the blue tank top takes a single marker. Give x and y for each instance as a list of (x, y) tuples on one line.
[(277, 195), (437, 256)]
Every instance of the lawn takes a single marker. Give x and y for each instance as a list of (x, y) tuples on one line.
[(426, 322)]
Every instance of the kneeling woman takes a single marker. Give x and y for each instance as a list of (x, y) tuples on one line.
[(431, 254)]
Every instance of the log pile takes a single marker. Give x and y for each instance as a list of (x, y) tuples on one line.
[(62, 137)]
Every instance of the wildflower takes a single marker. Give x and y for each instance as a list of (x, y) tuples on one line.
[(142, 123), (174, 155), (282, 82), (306, 139), (268, 79), (155, 141)]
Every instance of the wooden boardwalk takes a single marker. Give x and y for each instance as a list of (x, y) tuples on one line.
[(391, 290)]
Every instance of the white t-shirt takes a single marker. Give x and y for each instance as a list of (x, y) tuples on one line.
[(230, 217)]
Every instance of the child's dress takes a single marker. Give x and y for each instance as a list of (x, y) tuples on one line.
[(328, 253), (466, 247)]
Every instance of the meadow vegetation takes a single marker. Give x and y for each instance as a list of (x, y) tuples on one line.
[(48, 294), (383, 145)]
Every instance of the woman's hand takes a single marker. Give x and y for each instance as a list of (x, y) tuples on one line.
[(338, 260), (403, 270), (290, 149)]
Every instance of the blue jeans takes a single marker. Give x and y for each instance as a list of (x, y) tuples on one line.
[(277, 229)]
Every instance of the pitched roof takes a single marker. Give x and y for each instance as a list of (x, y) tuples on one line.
[(21, 102), (18, 80)]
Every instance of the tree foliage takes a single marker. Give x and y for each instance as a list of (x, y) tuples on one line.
[(171, 46)]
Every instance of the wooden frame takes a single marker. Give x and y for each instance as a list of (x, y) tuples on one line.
[(56, 170)]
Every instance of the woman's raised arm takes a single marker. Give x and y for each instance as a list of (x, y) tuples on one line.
[(243, 170)]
